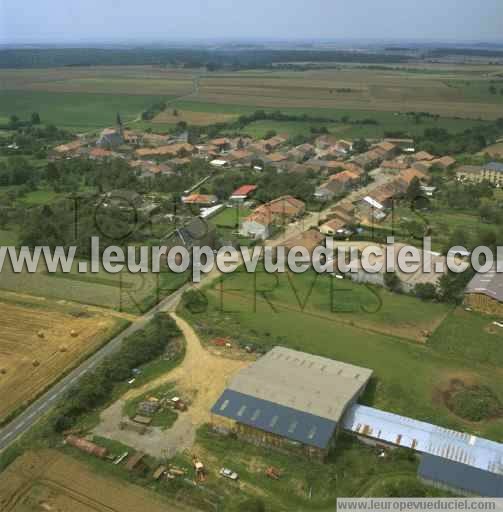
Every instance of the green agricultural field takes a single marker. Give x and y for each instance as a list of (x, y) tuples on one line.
[(364, 326), (349, 88), (74, 111), (142, 80), (133, 293), (89, 98), (386, 123)]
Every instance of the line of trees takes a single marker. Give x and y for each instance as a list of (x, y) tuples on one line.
[(153, 110), (229, 58), (439, 141), (95, 388)]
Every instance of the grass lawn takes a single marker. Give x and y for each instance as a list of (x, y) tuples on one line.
[(359, 306), (40, 197), (227, 222), (468, 335), (352, 470), (363, 326), (230, 217), (9, 236)]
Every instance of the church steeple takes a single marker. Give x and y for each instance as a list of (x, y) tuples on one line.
[(119, 124)]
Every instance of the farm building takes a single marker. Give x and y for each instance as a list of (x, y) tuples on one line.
[(423, 156), (257, 225), (309, 239), (445, 162), (492, 172), (291, 401), (195, 233), (297, 403), (393, 166), (469, 173), (219, 163), (200, 199), (337, 184), (222, 144), (460, 478), (452, 460), (86, 446), (409, 278), (243, 193), (386, 150), (110, 138), (240, 157), (484, 292), (278, 211), (333, 227), (168, 151)]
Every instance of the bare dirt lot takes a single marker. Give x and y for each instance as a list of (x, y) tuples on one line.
[(51, 481), (202, 376), (40, 341)]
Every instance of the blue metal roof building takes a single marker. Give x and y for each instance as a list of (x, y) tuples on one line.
[(457, 460), (276, 419), (292, 396), (494, 166), (460, 477), (425, 438)]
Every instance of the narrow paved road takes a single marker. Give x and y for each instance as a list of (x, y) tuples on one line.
[(49, 399)]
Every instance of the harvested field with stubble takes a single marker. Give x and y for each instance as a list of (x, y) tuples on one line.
[(125, 291), (51, 481), (135, 80), (40, 342), (444, 91)]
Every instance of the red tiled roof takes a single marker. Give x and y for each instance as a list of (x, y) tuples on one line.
[(244, 190), (199, 199), (100, 153)]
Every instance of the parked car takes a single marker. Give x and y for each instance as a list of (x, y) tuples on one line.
[(228, 473)]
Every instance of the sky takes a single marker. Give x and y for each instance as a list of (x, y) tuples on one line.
[(122, 21)]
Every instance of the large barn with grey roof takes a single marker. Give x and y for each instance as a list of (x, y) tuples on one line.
[(298, 402), (290, 400), (484, 292)]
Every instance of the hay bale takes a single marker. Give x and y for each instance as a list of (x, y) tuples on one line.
[(41, 334), (35, 363), (3, 371), (74, 333), (63, 348)]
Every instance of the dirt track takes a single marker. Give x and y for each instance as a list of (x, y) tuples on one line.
[(202, 375)]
